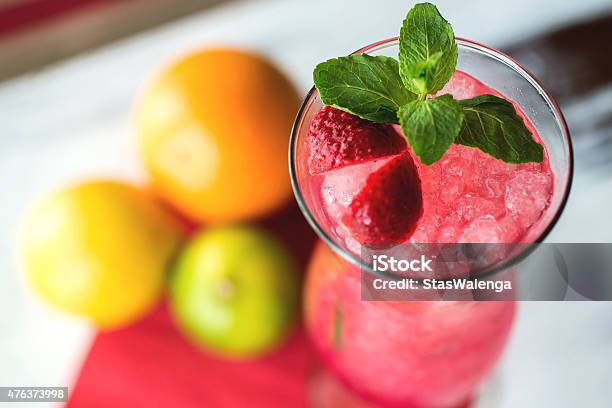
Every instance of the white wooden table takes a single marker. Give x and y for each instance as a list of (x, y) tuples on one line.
[(72, 121)]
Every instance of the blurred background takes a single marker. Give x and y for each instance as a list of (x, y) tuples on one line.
[(70, 72)]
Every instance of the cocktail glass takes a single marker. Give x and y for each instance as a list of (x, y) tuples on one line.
[(418, 353)]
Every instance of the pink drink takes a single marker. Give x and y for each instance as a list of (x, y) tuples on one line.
[(468, 196), (423, 354), (415, 353)]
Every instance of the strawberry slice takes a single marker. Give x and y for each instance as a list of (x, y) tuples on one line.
[(336, 139), (386, 210)]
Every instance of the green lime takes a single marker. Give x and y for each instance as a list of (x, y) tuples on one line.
[(234, 291)]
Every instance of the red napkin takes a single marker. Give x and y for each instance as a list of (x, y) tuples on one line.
[(151, 365)]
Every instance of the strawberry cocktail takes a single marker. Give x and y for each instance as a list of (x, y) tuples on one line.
[(421, 139)]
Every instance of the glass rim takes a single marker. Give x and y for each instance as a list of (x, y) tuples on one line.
[(491, 52)]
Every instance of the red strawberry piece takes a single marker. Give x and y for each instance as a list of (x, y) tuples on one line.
[(336, 139), (386, 210)]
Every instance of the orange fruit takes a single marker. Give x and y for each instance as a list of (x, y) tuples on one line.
[(213, 130), (99, 250)]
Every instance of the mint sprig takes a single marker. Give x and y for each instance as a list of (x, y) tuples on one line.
[(383, 90), (427, 50), (431, 126), (366, 86), (507, 137)]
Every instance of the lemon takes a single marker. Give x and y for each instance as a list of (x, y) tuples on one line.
[(99, 250)]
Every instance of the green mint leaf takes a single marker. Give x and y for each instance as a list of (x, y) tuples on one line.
[(422, 73), (492, 125), (366, 86), (427, 50), (431, 126)]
